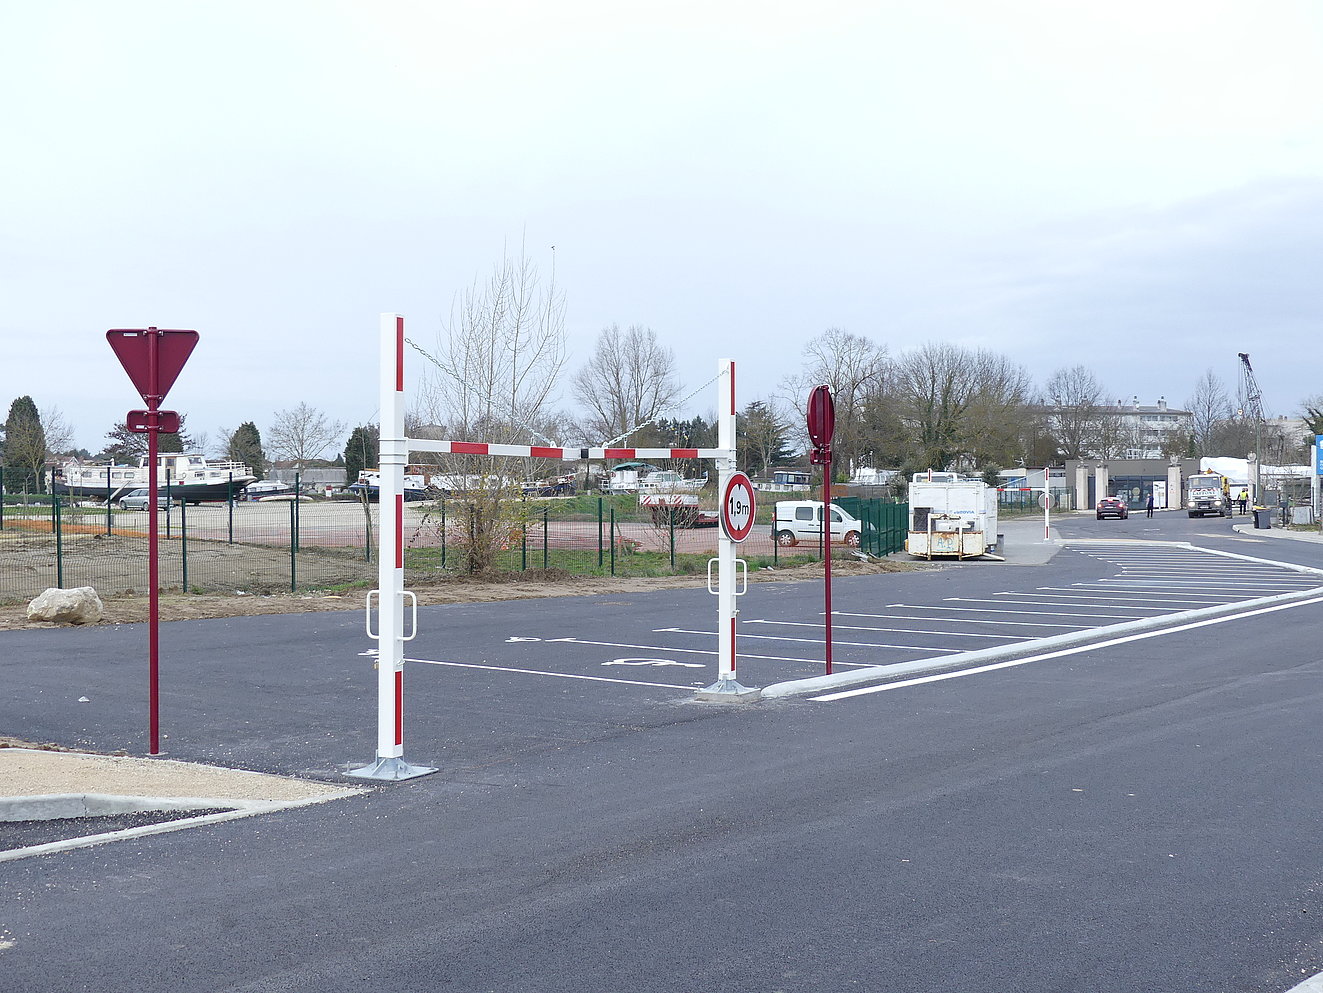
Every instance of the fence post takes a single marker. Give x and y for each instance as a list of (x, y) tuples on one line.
[(108, 529), (613, 541), (523, 538), (545, 511), (293, 549), (152, 496), (57, 527), (298, 489), (672, 539), (443, 534), (599, 532), (229, 500), (183, 542), (2, 498)]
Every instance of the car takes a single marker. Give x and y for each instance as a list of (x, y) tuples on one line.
[(137, 500), (801, 520), (1113, 507)]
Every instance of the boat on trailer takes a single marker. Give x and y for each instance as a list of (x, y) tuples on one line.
[(190, 477)]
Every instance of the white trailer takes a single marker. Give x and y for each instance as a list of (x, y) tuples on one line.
[(951, 516)]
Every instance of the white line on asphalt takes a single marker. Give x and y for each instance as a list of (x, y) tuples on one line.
[(991, 610), (864, 627), (687, 651), (1052, 603), (938, 677), (963, 620), (563, 675), (1118, 595), (814, 641)]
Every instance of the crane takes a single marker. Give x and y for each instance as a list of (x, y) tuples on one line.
[(1251, 407)]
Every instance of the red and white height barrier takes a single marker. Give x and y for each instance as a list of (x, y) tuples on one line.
[(394, 448)]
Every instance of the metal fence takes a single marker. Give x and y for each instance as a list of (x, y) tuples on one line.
[(272, 546)]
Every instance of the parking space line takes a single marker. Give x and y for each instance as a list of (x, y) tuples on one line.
[(992, 610), (963, 620), (1128, 596), (687, 651), (688, 688), (815, 641), (1053, 603), (864, 627)]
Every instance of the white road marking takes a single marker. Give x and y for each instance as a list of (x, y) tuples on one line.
[(939, 677), (1048, 603), (864, 627), (559, 675), (654, 662), (813, 641), (697, 651)]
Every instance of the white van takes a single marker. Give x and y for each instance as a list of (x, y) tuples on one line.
[(801, 520)]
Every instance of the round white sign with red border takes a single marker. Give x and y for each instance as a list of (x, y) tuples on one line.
[(737, 507)]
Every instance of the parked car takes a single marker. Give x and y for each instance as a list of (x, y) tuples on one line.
[(137, 500), (801, 520), (1113, 507)]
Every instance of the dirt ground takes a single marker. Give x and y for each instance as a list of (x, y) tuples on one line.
[(466, 589)]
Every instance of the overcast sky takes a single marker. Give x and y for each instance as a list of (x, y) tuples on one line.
[(1136, 186)]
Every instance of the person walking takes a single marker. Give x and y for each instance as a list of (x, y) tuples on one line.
[(1148, 507), (1243, 499)]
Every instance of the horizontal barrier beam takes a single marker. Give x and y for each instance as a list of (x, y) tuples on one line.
[(569, 454)]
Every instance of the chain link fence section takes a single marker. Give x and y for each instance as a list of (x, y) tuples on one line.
[(284, 545)]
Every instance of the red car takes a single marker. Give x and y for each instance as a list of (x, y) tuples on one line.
[(1112, 507)]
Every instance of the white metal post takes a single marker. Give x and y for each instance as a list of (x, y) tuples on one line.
[(393, 453), (726, 687), (725, 547)]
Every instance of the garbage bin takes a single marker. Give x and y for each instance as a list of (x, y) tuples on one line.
[(1262, 517)]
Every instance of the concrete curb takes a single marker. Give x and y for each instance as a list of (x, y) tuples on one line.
[(59, 805), (862, 677), (1251, 531)]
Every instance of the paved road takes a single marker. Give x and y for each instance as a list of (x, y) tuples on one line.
[(1138, 817)]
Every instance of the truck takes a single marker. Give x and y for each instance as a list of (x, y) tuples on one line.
[(1207, 493), (951, 516)]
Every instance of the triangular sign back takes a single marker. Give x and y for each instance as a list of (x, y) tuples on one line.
[(172, 350)]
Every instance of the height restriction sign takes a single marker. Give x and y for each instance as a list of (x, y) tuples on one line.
[(737, 506)]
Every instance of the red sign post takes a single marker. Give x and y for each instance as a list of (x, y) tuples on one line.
[(153, 358), (821, 426)]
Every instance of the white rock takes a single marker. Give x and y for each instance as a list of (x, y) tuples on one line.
[(77, 606)]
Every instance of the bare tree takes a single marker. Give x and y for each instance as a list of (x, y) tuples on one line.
[(492, 378), (628, 382), (302, 433), (1074, 398), (1209, 406), (961, 408), (499, 358), (854, 367)]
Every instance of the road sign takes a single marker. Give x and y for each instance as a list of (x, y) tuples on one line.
[(821, 417), (142, 421), (134, 348), (737, 507)]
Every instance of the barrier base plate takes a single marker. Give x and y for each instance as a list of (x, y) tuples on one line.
[(728, 691), (390, 770)]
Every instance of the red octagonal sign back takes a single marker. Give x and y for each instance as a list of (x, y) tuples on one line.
[(821, 417), (134, 347)]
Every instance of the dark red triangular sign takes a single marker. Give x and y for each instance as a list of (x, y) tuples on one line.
[(133, 347)]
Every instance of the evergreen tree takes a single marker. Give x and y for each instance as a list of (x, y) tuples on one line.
[(361, 452), (24, 453), (245, 445), (761, 438)]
